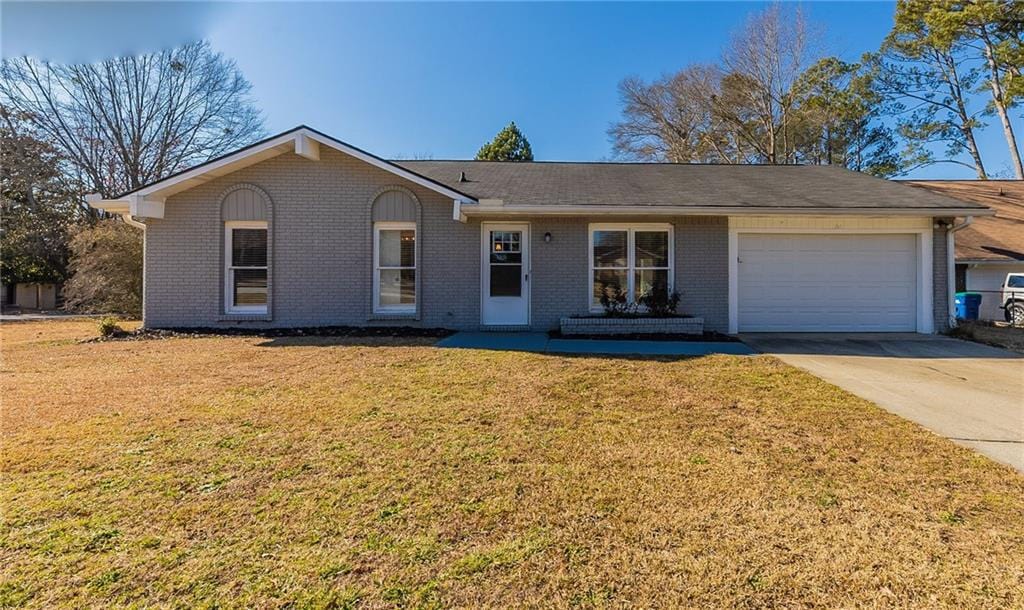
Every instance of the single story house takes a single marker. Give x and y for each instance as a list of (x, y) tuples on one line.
[(991, 246), (302, 229)]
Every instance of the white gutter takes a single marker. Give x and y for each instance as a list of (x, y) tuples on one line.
[(116, 206), (951, 267)]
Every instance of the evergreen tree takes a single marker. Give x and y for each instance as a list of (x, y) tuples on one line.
[(509, 145)]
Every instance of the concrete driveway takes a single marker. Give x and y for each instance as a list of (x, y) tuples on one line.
[(970, 393)]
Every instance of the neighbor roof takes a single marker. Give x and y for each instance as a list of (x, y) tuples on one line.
[(641, 185), (993, 238)]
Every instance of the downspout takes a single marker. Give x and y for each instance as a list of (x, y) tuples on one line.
[(951, 267), (135, 223)]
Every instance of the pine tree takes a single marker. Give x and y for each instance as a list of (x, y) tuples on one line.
[(509, 145)]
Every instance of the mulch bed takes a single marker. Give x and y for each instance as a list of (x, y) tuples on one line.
[(707, 336), (147, 334)]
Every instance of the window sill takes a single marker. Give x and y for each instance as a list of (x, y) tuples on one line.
[(244, 317), (398, 315)]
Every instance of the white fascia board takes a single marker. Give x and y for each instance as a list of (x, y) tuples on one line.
[(664, 210), (111, 206), (306, 143), (131, 205), (167, 184)]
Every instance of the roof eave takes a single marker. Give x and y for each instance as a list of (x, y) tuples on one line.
[(665, 210)]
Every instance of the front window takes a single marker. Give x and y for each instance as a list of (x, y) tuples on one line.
[(628, 261), (245, 249), (394, 261)]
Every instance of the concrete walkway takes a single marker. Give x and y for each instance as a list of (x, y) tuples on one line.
[(970, 393), (540, 342)]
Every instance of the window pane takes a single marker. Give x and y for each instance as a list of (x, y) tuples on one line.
[(397, 286), (647, 280), (249, 247), (609, 282), (506, 280), (610, 248), (651, 248), (250, 286), (507, 257), (397, 248)]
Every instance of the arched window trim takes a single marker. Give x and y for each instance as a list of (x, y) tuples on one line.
[(375, 309), (227, 310)]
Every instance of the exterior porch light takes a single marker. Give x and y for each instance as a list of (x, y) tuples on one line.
[(547, 237)]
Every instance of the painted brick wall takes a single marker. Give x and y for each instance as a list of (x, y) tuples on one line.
[(321, 256), (321, 248), (940, 284)]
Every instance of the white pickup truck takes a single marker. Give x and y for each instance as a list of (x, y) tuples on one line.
[(1013, 298)]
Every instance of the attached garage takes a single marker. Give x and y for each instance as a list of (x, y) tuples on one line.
[(852, 277)]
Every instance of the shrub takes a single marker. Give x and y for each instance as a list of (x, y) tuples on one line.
[(615, 301), (659, 302), (106, 266), (109, 327)]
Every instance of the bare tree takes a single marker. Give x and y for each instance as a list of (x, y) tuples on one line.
[(128, 121), (739, 112), (767, 57), (673, 119)]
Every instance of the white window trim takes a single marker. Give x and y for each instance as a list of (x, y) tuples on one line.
[(400, 308), (229, 293), (630, 228)]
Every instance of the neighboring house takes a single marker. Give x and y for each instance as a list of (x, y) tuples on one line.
[(302, 229), (991, 246)]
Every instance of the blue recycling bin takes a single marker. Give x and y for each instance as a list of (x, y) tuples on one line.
[(967, 305)]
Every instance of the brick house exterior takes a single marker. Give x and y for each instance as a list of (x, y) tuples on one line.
[(320, 199)]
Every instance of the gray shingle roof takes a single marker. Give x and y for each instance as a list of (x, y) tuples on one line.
[(642, 184)]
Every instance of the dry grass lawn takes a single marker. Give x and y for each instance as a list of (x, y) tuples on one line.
[(315, 473)]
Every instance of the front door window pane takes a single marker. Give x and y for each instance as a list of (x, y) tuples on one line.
[(506, 280), (506, 262)]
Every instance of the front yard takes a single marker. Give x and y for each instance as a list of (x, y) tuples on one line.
[(314, 473)]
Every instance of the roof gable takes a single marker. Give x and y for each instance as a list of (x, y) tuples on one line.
[(304, 141)]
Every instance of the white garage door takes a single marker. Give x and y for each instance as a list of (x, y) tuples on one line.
[(822, 283)]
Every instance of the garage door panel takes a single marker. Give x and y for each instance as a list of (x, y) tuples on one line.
[(827, 282)]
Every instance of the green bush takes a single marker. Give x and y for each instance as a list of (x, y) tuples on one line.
[(109, 327)]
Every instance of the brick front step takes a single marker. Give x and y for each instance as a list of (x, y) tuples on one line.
[(630, 326)]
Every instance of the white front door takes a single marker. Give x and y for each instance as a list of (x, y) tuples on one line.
[(505, 274)]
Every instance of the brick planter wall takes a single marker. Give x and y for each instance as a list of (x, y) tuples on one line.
[(629, 326)]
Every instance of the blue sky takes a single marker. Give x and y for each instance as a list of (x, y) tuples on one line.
[(438, 79)]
